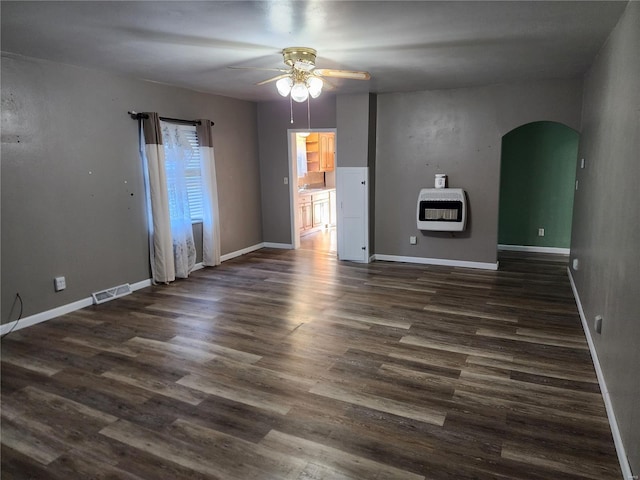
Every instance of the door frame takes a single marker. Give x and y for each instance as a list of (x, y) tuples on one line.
[(293, 178)]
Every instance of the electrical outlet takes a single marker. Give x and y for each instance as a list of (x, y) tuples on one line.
[(413, 240), (541, 232), (59, 283), (286, 180), (576, 263)]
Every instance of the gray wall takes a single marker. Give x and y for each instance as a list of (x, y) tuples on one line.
[(273, 123), (72, 189), (606, 224), (356, 143), (352, 144), (456, 132)]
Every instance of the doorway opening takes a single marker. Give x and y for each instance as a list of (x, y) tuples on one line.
[(312, 188), (537, 185)]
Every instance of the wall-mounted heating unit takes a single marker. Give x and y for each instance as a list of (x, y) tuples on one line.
[(442, 209)]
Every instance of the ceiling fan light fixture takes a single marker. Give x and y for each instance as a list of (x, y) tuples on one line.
[(315, 86), (284, 86), (302, 79), (299, 92), (297, 56)]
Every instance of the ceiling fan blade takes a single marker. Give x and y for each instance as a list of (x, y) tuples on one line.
[(260, 68), (273, 79), (350, 74)]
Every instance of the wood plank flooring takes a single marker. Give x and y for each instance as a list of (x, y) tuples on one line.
[(291, 365)]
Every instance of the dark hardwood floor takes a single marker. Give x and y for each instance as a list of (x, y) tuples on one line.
[(290, 364)]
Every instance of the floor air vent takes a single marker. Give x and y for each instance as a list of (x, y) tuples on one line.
[(111, 293)]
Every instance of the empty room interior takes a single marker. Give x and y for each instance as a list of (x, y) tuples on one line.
[(320, 240)]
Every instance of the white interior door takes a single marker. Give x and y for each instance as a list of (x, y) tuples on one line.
[(353, 213)]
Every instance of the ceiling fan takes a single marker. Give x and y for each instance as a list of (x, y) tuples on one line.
[(302, 79)]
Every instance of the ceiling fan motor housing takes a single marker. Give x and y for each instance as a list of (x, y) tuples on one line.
[(297, 56)]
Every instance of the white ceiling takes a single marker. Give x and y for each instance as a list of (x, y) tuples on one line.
[(406, 46)]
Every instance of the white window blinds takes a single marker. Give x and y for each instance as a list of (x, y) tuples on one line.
[(193, 174), (184, 169)]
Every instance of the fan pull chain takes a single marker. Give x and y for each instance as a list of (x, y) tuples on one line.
[(291, 107), (308, 115)]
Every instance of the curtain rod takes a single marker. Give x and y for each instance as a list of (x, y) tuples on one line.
[(139, 116)]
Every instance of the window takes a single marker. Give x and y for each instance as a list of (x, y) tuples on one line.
[(193, 175), (181, 142)]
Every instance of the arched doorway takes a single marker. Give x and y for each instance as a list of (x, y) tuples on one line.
[(537, 184)]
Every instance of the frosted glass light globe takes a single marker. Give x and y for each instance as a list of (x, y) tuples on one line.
[(315, 87), (299, 92), (284, 86)]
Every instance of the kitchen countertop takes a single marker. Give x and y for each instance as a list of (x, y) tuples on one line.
[(311, 191)]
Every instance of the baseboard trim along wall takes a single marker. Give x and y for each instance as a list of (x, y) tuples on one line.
[(285, 246), (253, 248), (532, 248), (61, 310), (243, 251), (437, 261), (613, 423), (87, 302)]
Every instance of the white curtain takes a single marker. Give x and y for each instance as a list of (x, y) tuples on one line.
[(160, 238), (178, 152), (211, 215), (165, 155)]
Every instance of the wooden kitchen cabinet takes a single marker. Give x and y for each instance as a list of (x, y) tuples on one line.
[(327, 151), (306, 213), (315, 210), (321, 213), (321, 149)]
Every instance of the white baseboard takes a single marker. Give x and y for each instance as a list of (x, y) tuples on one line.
[(533, 248), (46, 315), (198, 266), (253, 248), (437, 261), (617, 439), (243, 251), (86, 302), (142, 284), (286, 246), (61, 310)]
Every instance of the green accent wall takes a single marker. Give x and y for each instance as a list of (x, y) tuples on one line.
[(537, 183)]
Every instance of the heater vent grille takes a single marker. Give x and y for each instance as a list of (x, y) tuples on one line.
[(442, 209), (111, 293)]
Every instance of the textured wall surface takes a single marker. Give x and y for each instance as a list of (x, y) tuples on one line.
[(537, 181), (73, 200), (459, 133), (606, 224)]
